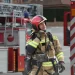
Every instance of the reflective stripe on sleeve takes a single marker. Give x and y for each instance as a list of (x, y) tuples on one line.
[(60, 55), (55, 37), (34, 44), (28, 42)]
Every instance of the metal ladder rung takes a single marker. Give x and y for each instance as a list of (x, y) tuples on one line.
[(6, 9)]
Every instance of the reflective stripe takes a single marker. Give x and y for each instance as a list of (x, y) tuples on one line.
[(33, 43), (55, 37), (28, 42), (60, 55), (47, 64), (43, 41)]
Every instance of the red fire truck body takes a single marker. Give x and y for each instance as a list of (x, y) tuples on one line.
[(13, 37), (66, 26)]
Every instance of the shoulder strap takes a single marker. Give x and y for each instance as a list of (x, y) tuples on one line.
[(50, 37), (35, 34)]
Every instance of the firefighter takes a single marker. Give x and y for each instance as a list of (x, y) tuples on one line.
[(26, 14), (43, 48)]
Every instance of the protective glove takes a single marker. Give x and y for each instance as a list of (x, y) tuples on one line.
[(61, 66)]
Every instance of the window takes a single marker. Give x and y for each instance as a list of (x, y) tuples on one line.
[(29, 28), (49, 14), (6, 1), (32, 10), (25, 0), (58, 13)]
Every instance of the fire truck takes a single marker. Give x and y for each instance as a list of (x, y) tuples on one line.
[(66, 26), (14, 32), (69, 34)]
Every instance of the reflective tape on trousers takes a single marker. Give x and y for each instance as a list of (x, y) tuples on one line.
[(47, 64)]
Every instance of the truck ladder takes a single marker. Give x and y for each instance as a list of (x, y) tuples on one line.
[(6, 9)]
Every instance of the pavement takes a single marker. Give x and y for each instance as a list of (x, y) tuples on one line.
[(66, 49)]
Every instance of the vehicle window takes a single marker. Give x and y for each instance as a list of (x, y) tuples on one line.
[(29, 27)]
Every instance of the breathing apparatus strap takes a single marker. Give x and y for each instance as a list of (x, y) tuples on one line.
[(51, 39)]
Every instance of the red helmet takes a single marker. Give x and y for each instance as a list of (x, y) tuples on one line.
[(35, 21)]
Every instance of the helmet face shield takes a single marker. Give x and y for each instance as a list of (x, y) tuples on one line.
[(35, 21), (43, 19)]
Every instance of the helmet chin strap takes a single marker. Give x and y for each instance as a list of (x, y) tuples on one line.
[(42, 31)]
